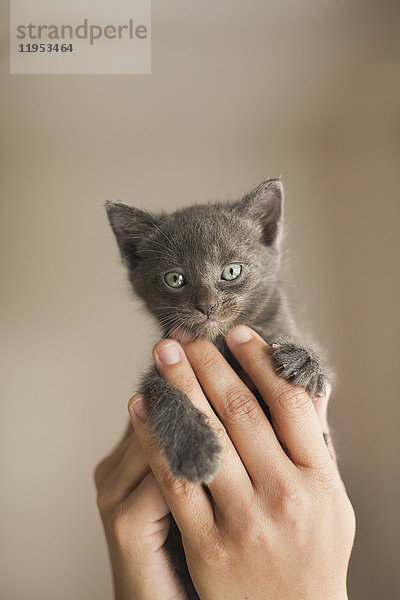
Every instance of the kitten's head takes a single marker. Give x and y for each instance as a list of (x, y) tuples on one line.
[(203, 268)]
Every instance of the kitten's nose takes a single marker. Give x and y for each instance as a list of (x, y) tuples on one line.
[(206, 309)]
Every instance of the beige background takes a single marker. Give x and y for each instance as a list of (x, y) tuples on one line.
[(240, 91)]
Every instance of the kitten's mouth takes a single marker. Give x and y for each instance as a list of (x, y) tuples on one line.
[(210, 322), (209, 328)]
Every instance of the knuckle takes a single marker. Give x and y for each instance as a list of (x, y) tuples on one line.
[(257, 538), (219, 429), (210, 361), (106, 464), (100, 472), (325, 480), (102, 502), (293, 501), (177, 486), (212, 550), (260, 358), (97, 475), (292, 400), (120, 523), (350, 514), (127, 529), (240, 405), (247, 524)]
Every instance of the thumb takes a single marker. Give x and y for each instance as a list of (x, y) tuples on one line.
[(321, 408)]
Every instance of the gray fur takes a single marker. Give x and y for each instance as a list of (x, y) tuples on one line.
[(191, 446), (300, 365), (198, 242)]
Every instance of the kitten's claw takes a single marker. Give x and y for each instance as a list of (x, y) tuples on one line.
[(299, 365)]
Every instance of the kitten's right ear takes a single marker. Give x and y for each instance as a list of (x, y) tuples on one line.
[(264, 206), (131, 227)]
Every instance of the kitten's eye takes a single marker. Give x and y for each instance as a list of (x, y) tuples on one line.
[(174, 280), (231, 272)]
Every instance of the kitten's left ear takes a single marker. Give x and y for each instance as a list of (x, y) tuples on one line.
[(264, 205)]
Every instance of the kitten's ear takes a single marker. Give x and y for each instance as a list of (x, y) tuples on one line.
[(131, 227), (264, 205)]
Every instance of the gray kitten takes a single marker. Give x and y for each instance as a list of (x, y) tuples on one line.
[(203, 269)]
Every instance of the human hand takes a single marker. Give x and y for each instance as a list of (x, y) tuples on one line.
[(276, 523), (136, 521)]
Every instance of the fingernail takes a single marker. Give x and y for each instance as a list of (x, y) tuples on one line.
[(240, 334), (137, 406), (168, 353), (321, 406)]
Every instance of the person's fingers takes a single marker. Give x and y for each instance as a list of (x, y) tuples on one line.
[(146, 504), (121, 471), (231, 475), (127, 473), (321, 408), (237, 408), (294, 418), (188, 502), (129, 432), (107, 465)]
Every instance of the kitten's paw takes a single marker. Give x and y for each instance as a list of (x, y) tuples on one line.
[(300, 366), (197, 454), (190, 445)]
